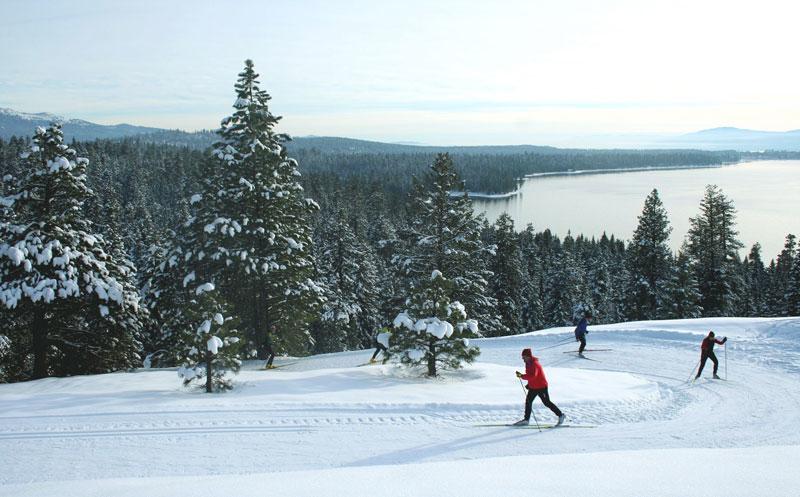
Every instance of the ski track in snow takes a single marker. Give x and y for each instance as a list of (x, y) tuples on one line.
[(75, 433)]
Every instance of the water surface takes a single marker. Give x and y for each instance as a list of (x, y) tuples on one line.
[(766, 195)]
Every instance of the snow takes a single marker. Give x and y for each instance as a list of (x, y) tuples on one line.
[(214, 344), (321, 425), (205, 287)]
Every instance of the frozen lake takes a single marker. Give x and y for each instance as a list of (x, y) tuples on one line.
[(766, 195)]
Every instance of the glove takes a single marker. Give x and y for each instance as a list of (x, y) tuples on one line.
[(519, 375), (724, 339)]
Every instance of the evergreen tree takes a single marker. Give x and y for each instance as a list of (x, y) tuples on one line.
[(348, 270), (682, 296), (713, 246), (566, 293), (507, 282), (434, 330), (782, 275), (444, 235), (207, 342), (756, 285), (68, 291), (532, 311), (793, 288), (648, 261), (260, 232)]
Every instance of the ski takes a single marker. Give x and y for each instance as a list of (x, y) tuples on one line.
[(267, 368), (586, 350), (542, 426), (376, 363)]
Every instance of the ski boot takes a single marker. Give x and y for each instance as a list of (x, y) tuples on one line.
[(521, 422), (717, 377), (561, 419)]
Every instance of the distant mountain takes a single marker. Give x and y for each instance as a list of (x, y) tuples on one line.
[(13, 123), (729, 138)]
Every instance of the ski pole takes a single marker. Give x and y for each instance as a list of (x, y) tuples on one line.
[(726, 359), (532, 413), (693, 369)]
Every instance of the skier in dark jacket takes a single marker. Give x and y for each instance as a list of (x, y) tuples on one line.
[(537, 387), (707, 352), (581, 331)]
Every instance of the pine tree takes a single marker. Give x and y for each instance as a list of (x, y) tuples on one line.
[(434, 330), (566, 293), (682, 295), (348, 270), (648, 261), (782, 275), (756, 287), (532, 312), (207, 341), (260, 232), (507, 282), (70, 290), (444, 235), (713, 246), (793, 288)]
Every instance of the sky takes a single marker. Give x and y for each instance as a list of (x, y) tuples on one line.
[(570, 72)]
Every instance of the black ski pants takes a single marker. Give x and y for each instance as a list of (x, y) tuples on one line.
[(541, 393), (704, 356), (379, 347), (583, 344), (270, 354)]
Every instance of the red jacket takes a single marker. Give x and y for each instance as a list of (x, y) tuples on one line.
[(534, 374), (708, 343)]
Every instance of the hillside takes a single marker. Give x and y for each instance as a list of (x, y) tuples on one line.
[(321, 425)]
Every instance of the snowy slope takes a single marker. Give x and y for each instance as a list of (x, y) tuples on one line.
[(324, 426)]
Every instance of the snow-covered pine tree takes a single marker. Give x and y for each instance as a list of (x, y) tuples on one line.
[(508, 281), (532, 312), (443, 234), (347, 269), (682, 295), (648, 261), (713, 246), (434, 331), (261, 232), (75, 306), (781, 277), (793, 288), (566, 290), (208, 343), (754, 300)]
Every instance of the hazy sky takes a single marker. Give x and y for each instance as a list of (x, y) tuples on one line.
[(441, 72)]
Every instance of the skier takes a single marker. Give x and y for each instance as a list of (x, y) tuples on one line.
[(537, 387), (581, 331), (268, 347), (381, 344), (707, 352)]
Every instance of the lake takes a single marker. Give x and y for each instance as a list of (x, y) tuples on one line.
[(766, 195)]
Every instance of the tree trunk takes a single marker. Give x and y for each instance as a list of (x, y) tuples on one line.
[(39, 328), (432, 357), (209, 372)]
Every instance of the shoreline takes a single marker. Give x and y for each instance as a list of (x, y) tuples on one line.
[(582, 172)]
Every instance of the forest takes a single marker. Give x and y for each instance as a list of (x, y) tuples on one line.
[(171, 251)]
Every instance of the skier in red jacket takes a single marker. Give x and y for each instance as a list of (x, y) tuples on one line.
[(537, 387), (707, 352)]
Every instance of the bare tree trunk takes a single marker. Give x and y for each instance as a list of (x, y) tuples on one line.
[(432, 357), (209, 372)]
